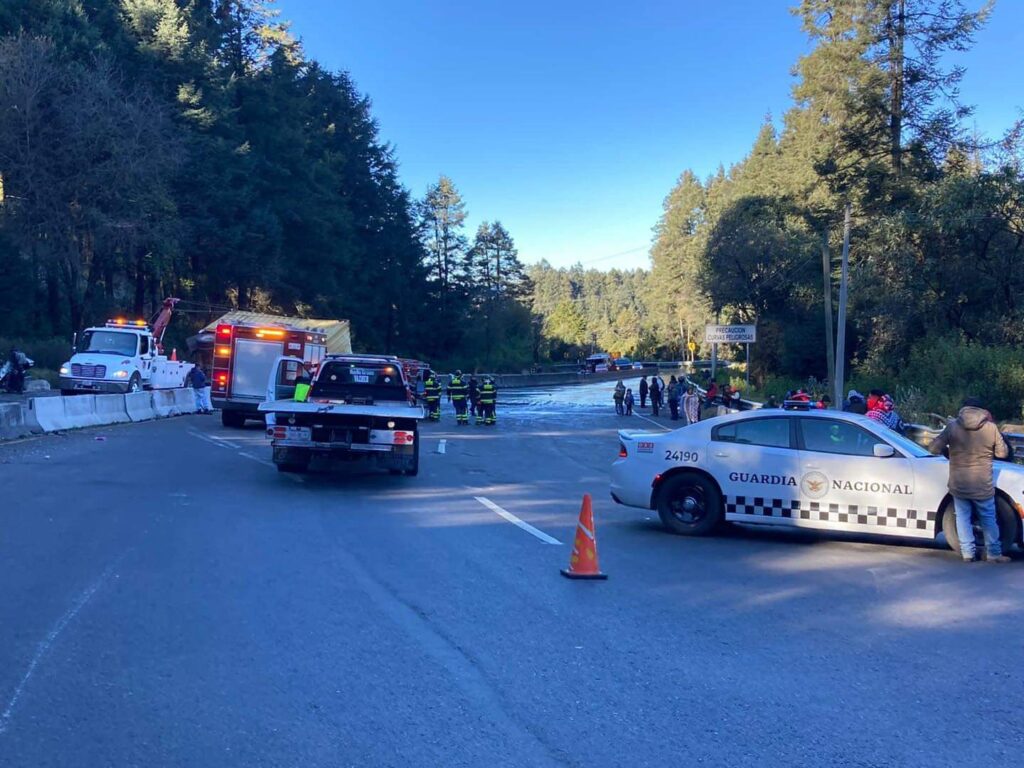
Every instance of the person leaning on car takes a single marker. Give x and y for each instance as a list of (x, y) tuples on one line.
[(973, 441)]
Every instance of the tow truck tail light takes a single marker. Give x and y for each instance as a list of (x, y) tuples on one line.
[(622, 451), (279, 432)]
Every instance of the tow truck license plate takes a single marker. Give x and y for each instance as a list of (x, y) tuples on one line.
[(298, 433)]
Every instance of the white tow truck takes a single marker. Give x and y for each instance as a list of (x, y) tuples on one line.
[(359, 409), (123, 356)]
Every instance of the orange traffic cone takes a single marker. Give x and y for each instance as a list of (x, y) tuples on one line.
[(583, 562), (174, 355)]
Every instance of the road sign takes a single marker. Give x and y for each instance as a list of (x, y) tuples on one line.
[(692, 346), (730, 334)]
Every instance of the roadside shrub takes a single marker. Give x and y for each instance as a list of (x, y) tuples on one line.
[(942, 371)]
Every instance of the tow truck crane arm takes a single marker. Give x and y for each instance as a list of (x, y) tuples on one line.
[(161, 321)]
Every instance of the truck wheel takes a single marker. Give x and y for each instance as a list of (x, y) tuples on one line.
[(1005, 518), (415, 469), (690, 505), (135, 383), (297, 469), (232, 419)]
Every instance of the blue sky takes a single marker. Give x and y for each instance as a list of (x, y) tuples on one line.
[(570, 121)]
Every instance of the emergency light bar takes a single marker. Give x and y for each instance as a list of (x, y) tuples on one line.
[(120, 322)]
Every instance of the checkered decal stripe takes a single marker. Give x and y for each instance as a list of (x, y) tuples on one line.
[(880, 517)]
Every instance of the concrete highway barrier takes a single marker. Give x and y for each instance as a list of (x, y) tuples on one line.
[(56, 414), (80, 411), (139, 406), (185, 400), (12, 422), (164, 403), (46, 414), (110, 409)]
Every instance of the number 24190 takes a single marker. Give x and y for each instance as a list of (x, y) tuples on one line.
[(680, 455)]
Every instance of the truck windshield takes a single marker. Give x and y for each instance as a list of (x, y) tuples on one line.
[(110, 343), (347, 379)]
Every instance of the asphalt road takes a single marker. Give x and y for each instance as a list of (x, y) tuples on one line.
[(168, 599)]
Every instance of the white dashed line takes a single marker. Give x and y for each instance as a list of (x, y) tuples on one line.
[(516, 521), (221, 442), (211, 440)]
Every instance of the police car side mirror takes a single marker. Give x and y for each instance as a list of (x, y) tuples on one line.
[(884, 451)]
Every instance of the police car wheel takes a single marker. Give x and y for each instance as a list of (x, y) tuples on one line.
[(1005, 518), (689, 504)]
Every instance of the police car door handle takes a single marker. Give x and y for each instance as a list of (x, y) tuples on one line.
[(722, 454), (812, 466)]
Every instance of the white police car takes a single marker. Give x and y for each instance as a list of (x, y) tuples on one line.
[(808, 469)]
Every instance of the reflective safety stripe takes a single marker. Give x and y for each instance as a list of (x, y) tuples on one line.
[(590, 534)]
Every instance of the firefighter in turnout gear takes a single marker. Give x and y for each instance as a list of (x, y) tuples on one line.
[(432, 396), (458, 395), (488, 399)]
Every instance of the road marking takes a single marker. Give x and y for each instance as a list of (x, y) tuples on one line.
[(221, 442), (211, 440), (659, 426), (47, 642), (516, 521), (266, 463), (256, 458)]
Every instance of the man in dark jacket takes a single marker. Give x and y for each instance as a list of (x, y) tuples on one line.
[(196, 379), (973, 441), (643, 391)]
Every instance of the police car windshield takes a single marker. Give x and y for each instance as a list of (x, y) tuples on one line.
[(345, 379), (110, 343)]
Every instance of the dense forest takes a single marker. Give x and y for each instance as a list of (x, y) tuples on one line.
[(191, 148)]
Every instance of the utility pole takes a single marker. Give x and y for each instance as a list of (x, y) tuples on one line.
[(844, 280), (830, 339), (714, 347)]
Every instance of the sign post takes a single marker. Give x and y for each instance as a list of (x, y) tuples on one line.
[(730, 334)]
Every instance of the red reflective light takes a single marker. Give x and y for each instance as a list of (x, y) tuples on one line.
[(622, 451), (404, 438), (224, 330), (281, 432), (222, 379)]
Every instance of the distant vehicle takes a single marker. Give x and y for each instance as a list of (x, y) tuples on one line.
[(243, 357), (624, 363), (123, 356), (600, 363), (358, 409), (825, 470)]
